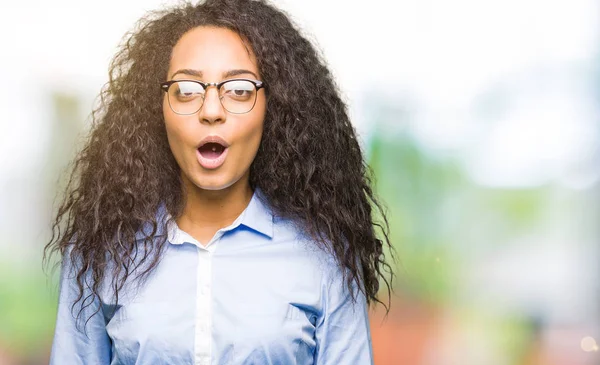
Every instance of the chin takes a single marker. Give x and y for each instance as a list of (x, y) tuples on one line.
[(213, 187), (212, 183)]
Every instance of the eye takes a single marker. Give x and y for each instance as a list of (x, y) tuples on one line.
[(187, 90), (239, 90)]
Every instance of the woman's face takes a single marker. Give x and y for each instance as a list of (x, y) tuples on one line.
[(211, 54)]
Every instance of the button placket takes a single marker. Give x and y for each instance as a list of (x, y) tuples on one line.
[(203, 307)]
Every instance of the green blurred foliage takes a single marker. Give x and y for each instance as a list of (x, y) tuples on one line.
[(415, 188), (28, 304), (439, 217)]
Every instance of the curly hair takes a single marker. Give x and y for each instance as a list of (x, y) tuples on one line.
[(309, 165)]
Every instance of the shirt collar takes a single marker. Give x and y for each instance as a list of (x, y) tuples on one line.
[(257, 216)]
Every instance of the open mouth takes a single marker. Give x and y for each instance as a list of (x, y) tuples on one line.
[(211, 150)]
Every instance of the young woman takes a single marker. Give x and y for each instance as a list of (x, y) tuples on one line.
[(221, 210)]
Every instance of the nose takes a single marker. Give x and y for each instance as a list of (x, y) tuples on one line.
[(212, 110)]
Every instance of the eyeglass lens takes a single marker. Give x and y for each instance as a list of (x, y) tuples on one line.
[(187, 97)]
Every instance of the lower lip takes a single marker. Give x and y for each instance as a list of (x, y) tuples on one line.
[(211, 163)]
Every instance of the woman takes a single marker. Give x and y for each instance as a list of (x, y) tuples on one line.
[(220, 212)]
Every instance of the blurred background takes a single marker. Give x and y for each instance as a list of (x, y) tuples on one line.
[(480, 120)]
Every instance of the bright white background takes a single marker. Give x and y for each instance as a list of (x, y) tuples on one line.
[(440, 55)]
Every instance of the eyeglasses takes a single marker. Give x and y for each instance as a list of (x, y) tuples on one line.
[(186, 97)]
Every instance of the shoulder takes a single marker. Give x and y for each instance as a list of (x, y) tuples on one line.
[(319, 255), (288, 231)]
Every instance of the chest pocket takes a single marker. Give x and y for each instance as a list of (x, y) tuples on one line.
[(274, 339)]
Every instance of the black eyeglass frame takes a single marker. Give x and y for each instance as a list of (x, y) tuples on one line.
[(167, 84)]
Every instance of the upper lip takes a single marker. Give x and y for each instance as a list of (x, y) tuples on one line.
[(213, 139)]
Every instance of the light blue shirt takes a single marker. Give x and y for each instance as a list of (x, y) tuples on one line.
[(259, 292)]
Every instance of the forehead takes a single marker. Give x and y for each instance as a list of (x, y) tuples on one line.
[(212, 51)]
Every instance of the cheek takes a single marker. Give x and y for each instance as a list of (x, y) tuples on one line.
[(175, 135), (174, 124), (254, 135), (257, 124), (249, 138), (251, 128), (172, 134)]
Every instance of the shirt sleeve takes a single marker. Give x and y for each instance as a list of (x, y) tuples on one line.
[(343, 332), (71, 344)]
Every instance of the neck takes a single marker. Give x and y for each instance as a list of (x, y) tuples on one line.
[(207, 211)]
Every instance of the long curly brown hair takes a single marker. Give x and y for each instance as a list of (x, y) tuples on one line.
[(309, 165)]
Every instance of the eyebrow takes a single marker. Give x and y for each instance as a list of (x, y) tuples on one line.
[(226, 74)]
